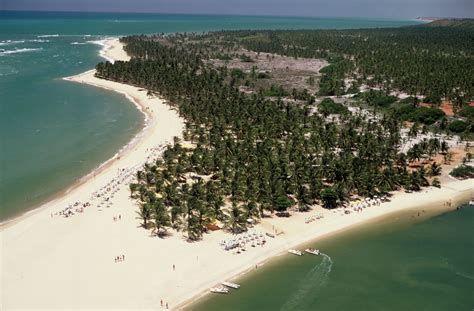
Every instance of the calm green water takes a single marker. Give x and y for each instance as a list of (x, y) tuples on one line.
[(52, 132), (398, 264)]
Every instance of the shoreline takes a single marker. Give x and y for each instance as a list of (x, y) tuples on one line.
[(76, 254), (111, 51), (429, 209)]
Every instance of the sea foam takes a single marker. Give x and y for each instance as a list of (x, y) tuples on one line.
[(9, 42), (7, 52), (38, 40), (48, 36)]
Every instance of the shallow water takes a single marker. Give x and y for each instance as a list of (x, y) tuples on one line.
[(396, 264)]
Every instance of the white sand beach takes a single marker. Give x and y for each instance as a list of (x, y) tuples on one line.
[(51, 262)]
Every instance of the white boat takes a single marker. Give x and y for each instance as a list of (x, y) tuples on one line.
[(471, 202), (231, 285), (313, 251), (295, 252), (219, 290)]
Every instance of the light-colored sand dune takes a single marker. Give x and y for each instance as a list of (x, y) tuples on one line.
[(56, 263)]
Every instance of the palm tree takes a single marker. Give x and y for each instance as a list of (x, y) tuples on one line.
[(160, 216), (329, 198), (133, 187), (435, 169), (236, 221), (144, 214)]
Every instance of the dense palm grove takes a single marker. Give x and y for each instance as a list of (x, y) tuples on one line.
[(250, 154), (435, 62)]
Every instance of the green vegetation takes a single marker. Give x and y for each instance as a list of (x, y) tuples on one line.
[(332, 81), (328, 106), (237, 74), (424, 115), (415, 60), (463, 171), (461, 23), (467, 112), (252, 154), (246, 59), (275, 91), (434, 99), (376, 98), (221, 56), (457, 126), (263, 75)]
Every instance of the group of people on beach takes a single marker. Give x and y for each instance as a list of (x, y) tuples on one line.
[(164, 304), (119, 217), (71, 209), (107, 192), (119, 258)]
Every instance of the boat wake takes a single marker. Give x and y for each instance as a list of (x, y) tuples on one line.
[(464, 275), (314, 280)]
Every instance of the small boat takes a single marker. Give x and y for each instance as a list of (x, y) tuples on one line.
[(471, 202), (219, 290), (313, 251), (231, 285), (295, 252)]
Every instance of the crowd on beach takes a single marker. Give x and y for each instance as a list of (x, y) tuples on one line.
[(313, 218), (239, 242), (71, 209), (119, 258), (104, 195)]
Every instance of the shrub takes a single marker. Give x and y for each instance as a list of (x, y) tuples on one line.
[(246, 59), (377, 98), (282, 203), (426, 115), (433, 99), (457, 126), (237, 73), (328, 106), (263, 75), (329, 198), (463, 171), (277, 91), (467, 112)]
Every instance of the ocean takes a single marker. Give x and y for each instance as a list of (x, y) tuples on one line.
[(53, 132), (404, 262)]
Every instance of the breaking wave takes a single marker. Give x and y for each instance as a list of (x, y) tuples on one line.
[(7, 52), (8, 42), (38, 40)]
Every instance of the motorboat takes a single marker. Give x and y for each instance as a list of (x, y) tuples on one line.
[(313, 251), (219, 290), (231, 285), (295, 252)]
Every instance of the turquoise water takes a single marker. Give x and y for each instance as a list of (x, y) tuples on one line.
[(398, 264), (52, 132)]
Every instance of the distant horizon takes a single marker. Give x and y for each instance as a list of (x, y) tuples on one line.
[(375, 9), (237, 14)]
